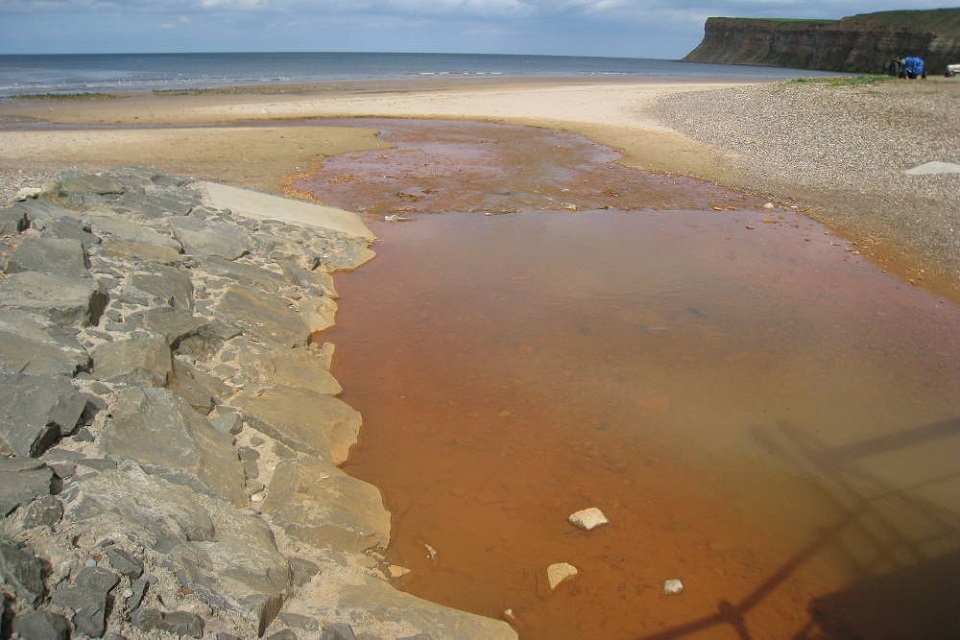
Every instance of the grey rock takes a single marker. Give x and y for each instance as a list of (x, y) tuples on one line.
[(161, 286), (142, 359), (41, 214), (125, 563), (303, 420), (273, 364), (28, 344), (61, 299), (178, 623), (283, 634), (162, 432), (303, 570), (138, 589), (226, 420), (227, 636), (210, 237), (89, 609), (113, 500), (35, 411), (241, 570), (317, 503), (21, 572), (201, 390), (43, 512), (41, 625), (265, 316), (246, 275), (317, 283), (338, 631), (13, 220), (121, 230), (58, 256), (207, 341), (97, 580), (171, 323), (95, 184), (142, 252), (22, 481)]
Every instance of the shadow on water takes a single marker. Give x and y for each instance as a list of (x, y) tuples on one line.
[(902, 547), (512, 369)]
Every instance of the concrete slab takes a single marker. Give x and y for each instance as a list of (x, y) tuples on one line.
[(933, 168), (269, 207)]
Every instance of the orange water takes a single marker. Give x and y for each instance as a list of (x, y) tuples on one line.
[(759, 412)]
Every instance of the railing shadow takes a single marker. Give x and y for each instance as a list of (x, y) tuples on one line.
[(903, 548)]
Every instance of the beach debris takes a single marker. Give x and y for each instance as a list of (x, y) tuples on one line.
[(511, 618), (431, 552), (588, 519), (672, 587), (396, 217), (769, 205), (560, 572)]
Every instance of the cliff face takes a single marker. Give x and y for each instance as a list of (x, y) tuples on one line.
[(862, 43)]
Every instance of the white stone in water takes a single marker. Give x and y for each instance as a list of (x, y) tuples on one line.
[(396, 571), (559, 572), (672, 587), (588, 519), (768, 205)]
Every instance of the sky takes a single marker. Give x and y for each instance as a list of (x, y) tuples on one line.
[(665, 29)]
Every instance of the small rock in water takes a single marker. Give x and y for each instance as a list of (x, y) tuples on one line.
[(560, 572), (768, 205), (431, 552), (672, 587), (396, 571), (588, 519)]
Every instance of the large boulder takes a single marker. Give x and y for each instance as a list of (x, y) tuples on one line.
[(36, 411), (265, 316), (62, 299), (142, 359), (163, 433), (30, 345), (22, 481)]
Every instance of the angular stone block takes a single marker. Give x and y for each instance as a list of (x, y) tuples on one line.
[(49, 255), (35, 411), (143, 359), (303, 420), (317, 503), (61, 299), (201, 237), (161, 431)]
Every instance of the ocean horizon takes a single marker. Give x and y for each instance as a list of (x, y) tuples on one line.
[(113, 72)]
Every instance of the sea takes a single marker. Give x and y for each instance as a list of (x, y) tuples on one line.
[(104, 73)]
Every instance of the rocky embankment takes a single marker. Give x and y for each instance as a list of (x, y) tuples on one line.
[(170, 432), (863, 43)]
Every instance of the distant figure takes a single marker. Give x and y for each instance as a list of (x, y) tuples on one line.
[(913, 68), (895, 68)]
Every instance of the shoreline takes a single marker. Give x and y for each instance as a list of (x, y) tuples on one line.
[(692, 127)]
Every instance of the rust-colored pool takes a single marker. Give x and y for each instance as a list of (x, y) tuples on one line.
[(759, 412)]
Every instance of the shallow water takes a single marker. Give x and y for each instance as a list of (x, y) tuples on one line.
[(760, 413)]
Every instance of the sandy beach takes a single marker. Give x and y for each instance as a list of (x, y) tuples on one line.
[(838, 153)]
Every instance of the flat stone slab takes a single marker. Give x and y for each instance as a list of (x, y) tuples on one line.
[(303, 420), (61, 299), (36, 411), (253, 204), (61, 256), (158, 429), (933, 168), (22, 481), (201, 237), (262, 315), (317, 503), (29, 345)]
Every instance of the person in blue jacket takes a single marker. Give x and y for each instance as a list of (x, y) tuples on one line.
[(913, 67)]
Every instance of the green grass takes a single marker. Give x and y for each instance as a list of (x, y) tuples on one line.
[(843, 81)]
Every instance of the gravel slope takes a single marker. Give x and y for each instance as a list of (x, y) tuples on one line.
[(840, 152)]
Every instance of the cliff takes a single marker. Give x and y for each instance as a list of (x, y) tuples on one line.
[(861, 43)]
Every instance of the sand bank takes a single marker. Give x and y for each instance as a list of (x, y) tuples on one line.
[(837, 152)]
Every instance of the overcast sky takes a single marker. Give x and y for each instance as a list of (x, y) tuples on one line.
[(622, 28)]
